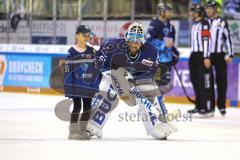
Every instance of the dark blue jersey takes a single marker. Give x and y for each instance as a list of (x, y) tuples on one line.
[(166, 55), (158, 33), (81, 76), (160, 30), (114, 53)]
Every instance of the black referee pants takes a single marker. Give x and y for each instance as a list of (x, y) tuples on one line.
[(220, 66), (202, 81)]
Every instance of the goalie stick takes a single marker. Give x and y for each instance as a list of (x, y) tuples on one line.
[(127, 88), (150, 107)]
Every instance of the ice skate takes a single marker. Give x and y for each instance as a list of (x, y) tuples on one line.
[(94, 130), (162, 130), (193, 111), (202, 114), (211, 114), (222, 112), (77, 131)]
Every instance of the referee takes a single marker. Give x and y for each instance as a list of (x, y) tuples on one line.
[(199, 62), (221, 39)]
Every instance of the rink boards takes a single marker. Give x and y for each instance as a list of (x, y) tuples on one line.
[(28, 68)]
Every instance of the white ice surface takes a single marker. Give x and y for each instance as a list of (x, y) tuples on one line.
[(29, 130)]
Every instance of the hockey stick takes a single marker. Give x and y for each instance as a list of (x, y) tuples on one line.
[(184, 89), (152, 108), (126, 87)]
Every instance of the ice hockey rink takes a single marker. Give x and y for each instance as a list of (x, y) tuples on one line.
[(30, 130)]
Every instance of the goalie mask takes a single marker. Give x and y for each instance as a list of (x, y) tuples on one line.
[(135, 33)]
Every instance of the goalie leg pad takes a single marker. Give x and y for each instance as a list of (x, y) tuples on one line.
[(149, 111), (102, 105), (157, 129)]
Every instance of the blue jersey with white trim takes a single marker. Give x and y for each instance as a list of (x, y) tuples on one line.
[(160, 30), (81, 76), (114, 53)]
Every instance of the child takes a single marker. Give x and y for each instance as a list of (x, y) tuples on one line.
[(80, 81)]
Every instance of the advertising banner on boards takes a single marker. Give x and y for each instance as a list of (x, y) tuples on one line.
[(25, 70)]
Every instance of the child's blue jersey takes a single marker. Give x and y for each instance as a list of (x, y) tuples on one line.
[(114, 53), (81, 76)]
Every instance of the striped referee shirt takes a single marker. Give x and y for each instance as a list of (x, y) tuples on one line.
[(220, 36), (200, 37)]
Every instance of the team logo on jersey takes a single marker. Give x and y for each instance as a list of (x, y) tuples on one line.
[(166, 31), (147, 62), (84, 67)]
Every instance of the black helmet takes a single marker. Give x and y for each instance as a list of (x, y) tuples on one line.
[(163, 6), (197, 8), (211, 3)]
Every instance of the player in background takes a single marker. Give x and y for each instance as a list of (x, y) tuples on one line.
[(161, 34), (199, 62), (128, 63), (221, 38), (80, 80)]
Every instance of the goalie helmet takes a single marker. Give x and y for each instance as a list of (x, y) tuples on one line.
[(135, 33)]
